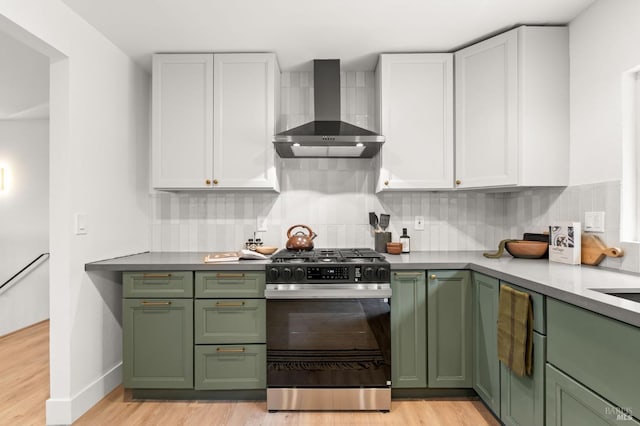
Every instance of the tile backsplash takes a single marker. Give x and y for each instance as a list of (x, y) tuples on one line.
[(334, 196)]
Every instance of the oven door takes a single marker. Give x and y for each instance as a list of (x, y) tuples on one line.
[(335, 342)]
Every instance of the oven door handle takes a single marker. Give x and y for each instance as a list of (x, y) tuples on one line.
[(282, 292)]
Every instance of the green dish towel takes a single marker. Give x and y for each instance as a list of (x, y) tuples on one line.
[(515, 330)]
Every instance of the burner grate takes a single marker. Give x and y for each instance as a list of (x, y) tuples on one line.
[(350, 255)]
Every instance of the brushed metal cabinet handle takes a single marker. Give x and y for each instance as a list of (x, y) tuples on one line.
[(223, 275), (229, 304), (146, 303), (234, 350)]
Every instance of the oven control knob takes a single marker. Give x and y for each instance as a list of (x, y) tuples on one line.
[(368, 273), (286, 274), (299, 274), (274, 274), (383, 274)]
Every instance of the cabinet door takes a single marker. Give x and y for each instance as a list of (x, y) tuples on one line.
[(487, 113), (571, 403), (416, 118), (449, 322), (158, 343), (182, 129), (408, 330), (522, 398), (244, 107), (486, 366)]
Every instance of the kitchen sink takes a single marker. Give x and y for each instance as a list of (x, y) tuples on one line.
[(632, 294)]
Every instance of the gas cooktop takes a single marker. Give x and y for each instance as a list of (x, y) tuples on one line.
[(328, 255), (350, 265)]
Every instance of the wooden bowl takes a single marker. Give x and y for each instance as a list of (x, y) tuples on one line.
[(394, 248), (266, 249), (527, 249)]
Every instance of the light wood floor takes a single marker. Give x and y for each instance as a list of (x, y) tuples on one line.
[(24, 388), (24, 375)]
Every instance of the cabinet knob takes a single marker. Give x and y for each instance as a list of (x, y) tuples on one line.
[(458, 181), (433, 277), (215, 181), (386, 183), (207, 182)]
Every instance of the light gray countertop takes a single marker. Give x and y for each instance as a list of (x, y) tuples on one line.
[(569, 283), (172, 261)]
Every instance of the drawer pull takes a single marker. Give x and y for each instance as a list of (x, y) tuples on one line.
[(145, 303), (223, 275), (229, 304), (156, 275), (433, 277), (407, 274), (235, 350)]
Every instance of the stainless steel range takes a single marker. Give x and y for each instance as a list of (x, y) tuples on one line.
[(328, 330)]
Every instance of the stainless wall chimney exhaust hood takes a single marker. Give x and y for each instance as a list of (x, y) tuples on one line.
[(327, 136)]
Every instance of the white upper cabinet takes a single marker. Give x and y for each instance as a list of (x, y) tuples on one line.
[(214, 117), (512, 110), (182, 121), (415, 101), (244, 107)]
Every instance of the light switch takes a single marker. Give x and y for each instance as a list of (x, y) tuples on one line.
[(261, 224), (594, 221), (418, 224), (82, 220)]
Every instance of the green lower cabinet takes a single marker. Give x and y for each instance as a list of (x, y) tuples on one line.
[(522, 398), (599, 352), (158, 343), (449, 329), (408, 330), (486, 366), (569, 403), (230, 321), (230, 367)]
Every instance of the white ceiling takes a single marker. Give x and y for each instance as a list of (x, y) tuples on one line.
[(24, 81), (298, 31)]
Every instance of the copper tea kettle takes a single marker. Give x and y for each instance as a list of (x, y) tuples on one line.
[(300, 240)]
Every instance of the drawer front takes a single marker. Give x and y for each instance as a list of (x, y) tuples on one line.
[(538, 304), (230, 367), (570, 403), (174, 284), (230, 284), (230, 321), (599, 352)]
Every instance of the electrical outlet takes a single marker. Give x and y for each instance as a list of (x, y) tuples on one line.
[(261, 224), (594, 221), (418, 223)]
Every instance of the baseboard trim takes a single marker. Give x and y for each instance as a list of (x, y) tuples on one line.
[(64, 411)]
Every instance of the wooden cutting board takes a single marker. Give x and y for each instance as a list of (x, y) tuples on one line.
[(593, 250)]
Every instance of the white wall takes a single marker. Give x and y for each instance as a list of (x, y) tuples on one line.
[(99, 165), (603, 44), (24, 228)]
